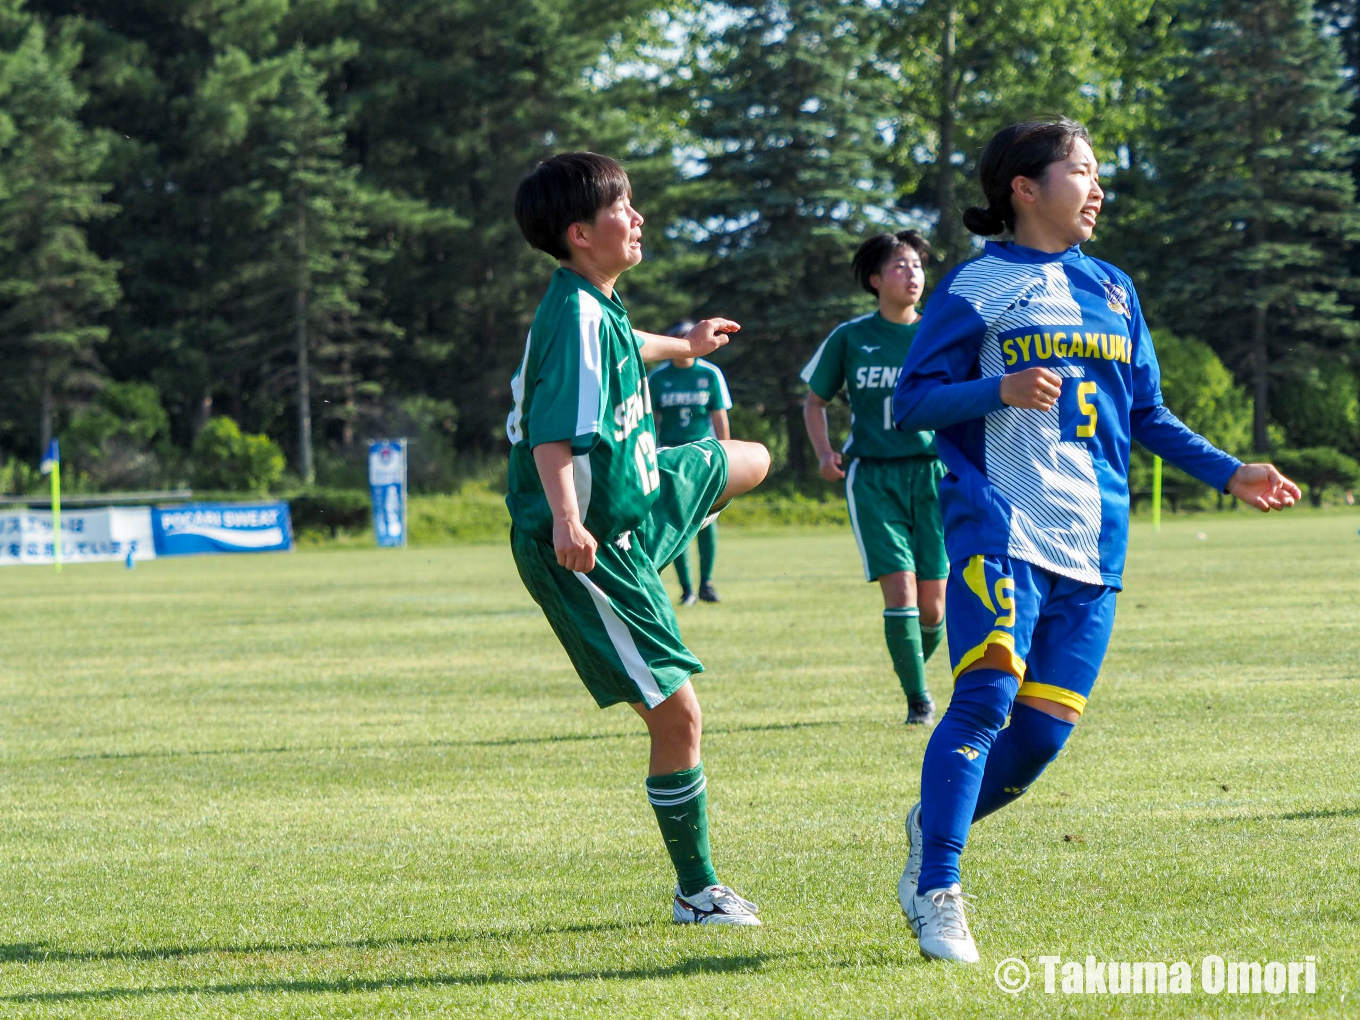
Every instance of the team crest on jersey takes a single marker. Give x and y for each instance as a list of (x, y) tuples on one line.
[(703, 383), (1117, 298)]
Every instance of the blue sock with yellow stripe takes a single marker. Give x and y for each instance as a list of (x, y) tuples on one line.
[(955, 761), (1019, 755)]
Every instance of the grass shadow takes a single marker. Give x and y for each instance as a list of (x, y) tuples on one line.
[(1288, 816), (699, 965), (27, 952), (560, 738)]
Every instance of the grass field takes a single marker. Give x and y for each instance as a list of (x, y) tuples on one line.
[(363, 783)]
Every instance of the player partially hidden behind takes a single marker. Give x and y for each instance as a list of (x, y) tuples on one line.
[(1034, 365), (596, 509), (891, 477), (691, 400)]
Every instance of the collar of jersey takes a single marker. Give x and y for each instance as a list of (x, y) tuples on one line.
[(1012, 252), (577, 280), (878, 320)]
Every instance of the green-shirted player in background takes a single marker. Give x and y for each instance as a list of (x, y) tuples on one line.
[(892, 477), (691, 401), (596, 509)]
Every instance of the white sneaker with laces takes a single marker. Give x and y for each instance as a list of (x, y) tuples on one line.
[(941, 926), (716, 904), (906, 885)]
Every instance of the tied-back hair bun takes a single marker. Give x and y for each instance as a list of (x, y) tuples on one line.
[(983, 221)]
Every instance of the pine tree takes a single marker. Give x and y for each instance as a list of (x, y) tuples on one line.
[(53, 289), (791, 181), (1250, 192), (304, 291), (452, 102), (963, 69), (175, 90)]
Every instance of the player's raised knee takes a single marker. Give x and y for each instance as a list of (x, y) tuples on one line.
[(747, 466)]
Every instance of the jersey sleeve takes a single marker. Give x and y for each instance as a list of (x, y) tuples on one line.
[(722, 399), (934, 390), (1147, 374), (1161, 432), (825, 372), (569, 390)]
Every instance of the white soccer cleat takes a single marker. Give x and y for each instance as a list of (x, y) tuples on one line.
[(716, 904), (938, 919), (906, 885)]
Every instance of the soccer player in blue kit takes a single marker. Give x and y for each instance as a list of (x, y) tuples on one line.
[(1036, 370)]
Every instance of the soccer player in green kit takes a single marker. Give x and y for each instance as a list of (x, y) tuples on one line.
[(596, 509), (892, 477), (691, 400)]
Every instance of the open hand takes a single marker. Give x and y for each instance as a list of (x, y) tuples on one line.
[(1262, 486), (1034, 388), (574, 545), (708, 335)]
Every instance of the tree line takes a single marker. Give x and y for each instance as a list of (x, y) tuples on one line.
[(267, 230)]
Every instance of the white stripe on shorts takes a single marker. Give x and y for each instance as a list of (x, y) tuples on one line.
[(854, 518), (633, 663)]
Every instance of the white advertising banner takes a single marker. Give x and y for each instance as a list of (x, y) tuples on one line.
[(106, 535)]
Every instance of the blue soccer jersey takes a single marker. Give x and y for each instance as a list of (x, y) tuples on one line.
[(1047, 487)]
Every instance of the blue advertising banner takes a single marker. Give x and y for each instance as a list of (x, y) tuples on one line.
[(222, 527), (387, 483)]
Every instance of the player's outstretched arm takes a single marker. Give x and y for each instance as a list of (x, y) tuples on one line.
[(1262, 486), (575, 546), (705, 338)]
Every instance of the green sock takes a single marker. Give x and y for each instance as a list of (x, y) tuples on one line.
[(708, 549), (902, 627), (682, 570), (930, 639), (681, 807)]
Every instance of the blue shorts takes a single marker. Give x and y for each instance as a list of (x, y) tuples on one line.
[(1055, 629)]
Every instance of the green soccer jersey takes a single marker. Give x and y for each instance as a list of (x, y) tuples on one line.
[(865, 356), (684, 398), (581, 380)]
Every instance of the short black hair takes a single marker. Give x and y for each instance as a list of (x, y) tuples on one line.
[(571, 187), (1027, 149), (873, 254)]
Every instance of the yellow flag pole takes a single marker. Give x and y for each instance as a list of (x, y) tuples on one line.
[(1156, 493), (56, 513)]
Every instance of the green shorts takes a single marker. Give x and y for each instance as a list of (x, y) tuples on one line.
[(617, 622), (895, 514)]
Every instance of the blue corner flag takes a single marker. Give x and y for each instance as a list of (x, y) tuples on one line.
[(51, 458)]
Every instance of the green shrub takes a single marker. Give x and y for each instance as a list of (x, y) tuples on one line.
[(226, 458), (475, 513), (330, 510), (1317, 467), (785, 510), (1200, 391), (121, 440), (1319, 407)]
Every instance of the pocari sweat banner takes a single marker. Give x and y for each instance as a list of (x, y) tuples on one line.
[(387, 484), (222, 528)]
